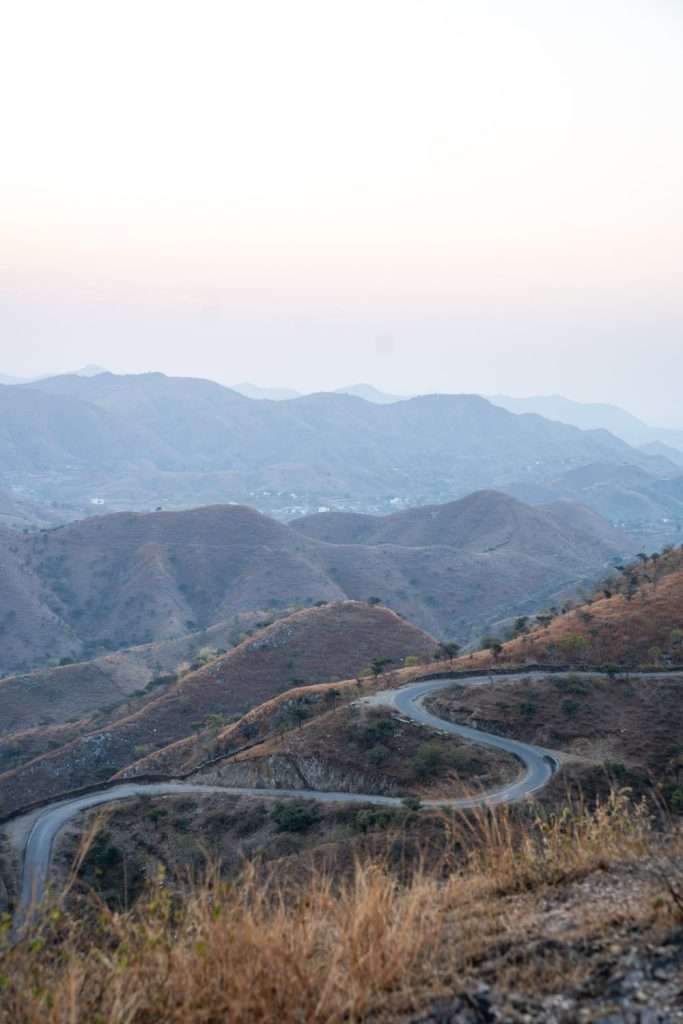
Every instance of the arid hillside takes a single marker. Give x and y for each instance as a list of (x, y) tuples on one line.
[(634, 620), (116, 581), (336, 641), (352, 747), (50, 696), (516, 917), (485, 521), (647, 504), (625, 723)]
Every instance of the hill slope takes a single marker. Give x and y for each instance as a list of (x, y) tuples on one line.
[(485, 521), (127, 579), (317, 644), (592, 416), (635, 620)]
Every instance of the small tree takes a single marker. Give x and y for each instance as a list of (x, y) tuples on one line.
[(447, 651), (378, 665)]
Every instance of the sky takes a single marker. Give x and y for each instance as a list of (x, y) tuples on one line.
[(429, 195)]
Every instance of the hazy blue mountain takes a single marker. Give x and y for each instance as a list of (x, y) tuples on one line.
[(592, 416), (271, 394), (91, 370), (370, 394), (674, 455), (365, 391), (148, 440)]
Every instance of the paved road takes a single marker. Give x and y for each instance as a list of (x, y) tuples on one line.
[(538, 767)]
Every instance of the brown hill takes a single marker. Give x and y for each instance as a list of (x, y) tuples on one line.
[(355, 748), (482, 522), (31, 629), (127, 579), (636, 620), (56, 695), (635, 722), (317, 644)]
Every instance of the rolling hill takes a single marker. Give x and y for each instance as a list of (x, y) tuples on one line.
[(649, 507), (116, 581), (482, 522), (313, 645), (64, 693)]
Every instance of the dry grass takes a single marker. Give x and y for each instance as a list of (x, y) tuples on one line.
[(636, 626), (327, 950)]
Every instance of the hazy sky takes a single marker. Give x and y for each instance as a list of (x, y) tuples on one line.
[(425, 194)]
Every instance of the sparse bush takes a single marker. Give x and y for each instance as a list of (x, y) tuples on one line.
[(570, 707), (377, 729), (378, 665), (377, 755), (215, 722), (429, 760), (371, 820), (296, 815)]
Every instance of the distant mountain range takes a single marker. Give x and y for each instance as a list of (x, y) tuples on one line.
[(595, 416), (142, 441), (113, 581), (585, 415), (365, 391), (85, 371)]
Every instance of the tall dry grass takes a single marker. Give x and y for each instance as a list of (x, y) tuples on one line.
[(329, 950)]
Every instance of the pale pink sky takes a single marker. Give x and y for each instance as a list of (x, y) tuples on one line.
[(262, 190)]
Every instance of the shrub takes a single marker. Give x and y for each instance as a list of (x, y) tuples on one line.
[(676, 801), (528, 708), (371, 820), (296, 815), (378, 665), (429, 760), (379, 728), (377, 755)]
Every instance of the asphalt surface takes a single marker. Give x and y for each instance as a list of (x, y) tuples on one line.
[(538, 768)]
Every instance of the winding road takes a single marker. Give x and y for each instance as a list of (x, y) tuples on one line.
[(539, 766)]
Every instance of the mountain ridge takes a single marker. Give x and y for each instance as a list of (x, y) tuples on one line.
[(148, 440)]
